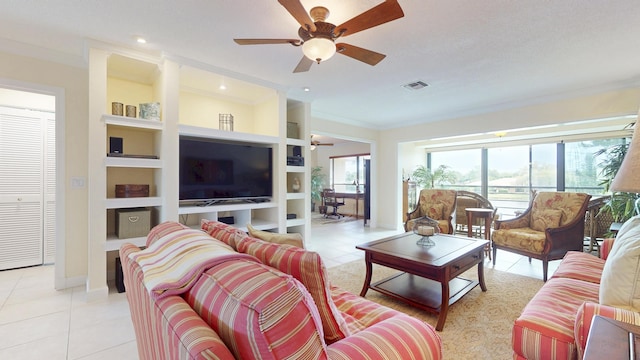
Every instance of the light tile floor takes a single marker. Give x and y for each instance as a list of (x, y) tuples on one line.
[(37, 322)]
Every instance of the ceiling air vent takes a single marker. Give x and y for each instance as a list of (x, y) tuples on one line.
[(415, 85)]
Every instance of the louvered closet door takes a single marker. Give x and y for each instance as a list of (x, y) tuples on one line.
[(21, 188)]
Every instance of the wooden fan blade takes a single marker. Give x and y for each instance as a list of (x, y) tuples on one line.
[(358, 53), (304, 65), (266, 41), (295, 8), (387, 11)]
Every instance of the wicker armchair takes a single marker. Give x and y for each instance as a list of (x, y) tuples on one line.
[(552, 225), (436, 204), (468, 199), (597, 223)]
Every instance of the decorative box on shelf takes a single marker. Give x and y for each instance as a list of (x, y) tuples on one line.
[(132, 190), (134, 222)]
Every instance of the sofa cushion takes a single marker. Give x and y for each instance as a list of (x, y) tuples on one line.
[(226, 233), (525, 239), (259, 312), (581, 266), (358, 312), (545, 329), (163, 229), (620, 283), (544, 219), (294, 239), (569, 203), (307, 267)]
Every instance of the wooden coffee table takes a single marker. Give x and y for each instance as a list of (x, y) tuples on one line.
[(429, 274)]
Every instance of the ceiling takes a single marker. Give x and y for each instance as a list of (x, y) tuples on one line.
[(476, 56)]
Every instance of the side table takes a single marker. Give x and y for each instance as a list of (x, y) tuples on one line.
[(612, 340), (487, 214)]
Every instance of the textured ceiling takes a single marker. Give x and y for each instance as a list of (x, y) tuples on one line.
[(476, 56)]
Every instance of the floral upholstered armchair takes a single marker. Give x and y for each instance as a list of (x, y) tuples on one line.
[(552, 225), (436, 204)]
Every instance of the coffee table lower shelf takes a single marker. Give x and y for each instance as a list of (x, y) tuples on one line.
[(421, 292)]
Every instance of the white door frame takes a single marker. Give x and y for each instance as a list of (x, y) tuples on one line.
[(59, 94)]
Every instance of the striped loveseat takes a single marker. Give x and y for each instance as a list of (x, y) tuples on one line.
[(555, 323), (221, 294)]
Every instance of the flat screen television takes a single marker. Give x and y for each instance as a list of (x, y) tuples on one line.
[(214, 170)]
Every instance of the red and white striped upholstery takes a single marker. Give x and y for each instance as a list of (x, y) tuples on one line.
[(306, 267), (580, 266), (544, 330), (589, 310), (223, 232), (555, 323), (244, 309), (386, 329), (168, 328), (258, 312)]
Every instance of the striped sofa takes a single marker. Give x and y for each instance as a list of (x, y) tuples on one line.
[(555, 323), (254, 300)]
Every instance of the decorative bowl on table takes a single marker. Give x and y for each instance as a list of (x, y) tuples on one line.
[(426, 227)]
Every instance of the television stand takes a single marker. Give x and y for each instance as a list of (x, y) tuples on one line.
[(257, 200), (211, 202), (259, 214)]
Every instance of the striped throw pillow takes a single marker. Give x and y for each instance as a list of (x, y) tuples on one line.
[(306, 267), (226, 233)]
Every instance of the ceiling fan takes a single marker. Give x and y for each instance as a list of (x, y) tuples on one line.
[(314, 144), (317, 37)]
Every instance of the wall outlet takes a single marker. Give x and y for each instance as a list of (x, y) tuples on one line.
[(78, 182)]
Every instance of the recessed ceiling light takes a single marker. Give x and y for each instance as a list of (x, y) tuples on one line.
[(141, 40), (222, 87), (306, 89)]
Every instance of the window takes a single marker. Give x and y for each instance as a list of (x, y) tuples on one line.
[(347, 173), (508, 178), (466, 164), (544, 167), (582, 166), (514, 171)]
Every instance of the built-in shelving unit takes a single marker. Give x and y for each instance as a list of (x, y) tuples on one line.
[(191, 103), (297, 141)]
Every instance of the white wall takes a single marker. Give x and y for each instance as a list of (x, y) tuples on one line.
[(74, 81)]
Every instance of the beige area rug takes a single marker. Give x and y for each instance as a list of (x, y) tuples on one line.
[(478, 326)]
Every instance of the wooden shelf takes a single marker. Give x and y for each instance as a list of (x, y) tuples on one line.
[(183, 210), (117, 203)]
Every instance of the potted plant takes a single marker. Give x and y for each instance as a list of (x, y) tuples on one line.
[(317, 184), (621, 205)]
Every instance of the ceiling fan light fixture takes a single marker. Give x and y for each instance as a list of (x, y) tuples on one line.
[(319, 49)]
